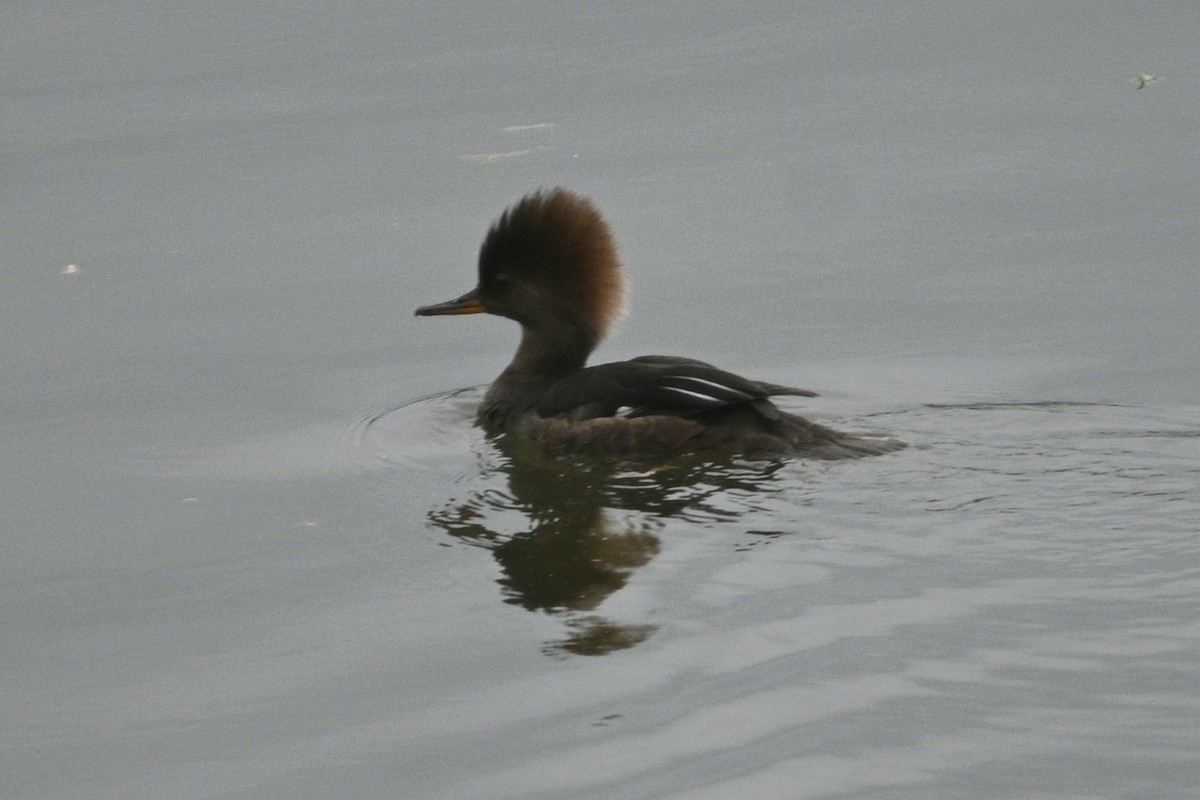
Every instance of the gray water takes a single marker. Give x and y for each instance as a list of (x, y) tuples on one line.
[(254, 547)]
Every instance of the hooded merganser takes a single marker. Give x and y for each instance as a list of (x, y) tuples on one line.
[(550, 263)]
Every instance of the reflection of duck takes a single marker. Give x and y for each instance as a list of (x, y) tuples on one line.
[(567, 539), (550, 263), (569, 555), (1143, 80)]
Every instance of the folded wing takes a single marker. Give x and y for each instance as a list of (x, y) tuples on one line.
[(650, 385)]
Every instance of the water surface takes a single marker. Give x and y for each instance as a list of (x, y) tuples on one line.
[(254, 547)]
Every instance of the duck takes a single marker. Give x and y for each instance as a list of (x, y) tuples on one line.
[(550, 263)]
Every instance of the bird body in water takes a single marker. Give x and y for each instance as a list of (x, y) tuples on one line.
[(550, 263)]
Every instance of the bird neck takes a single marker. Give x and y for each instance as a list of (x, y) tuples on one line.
[(552, 349), (547, 353)]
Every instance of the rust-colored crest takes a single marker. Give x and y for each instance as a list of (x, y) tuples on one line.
[(557, 241)]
